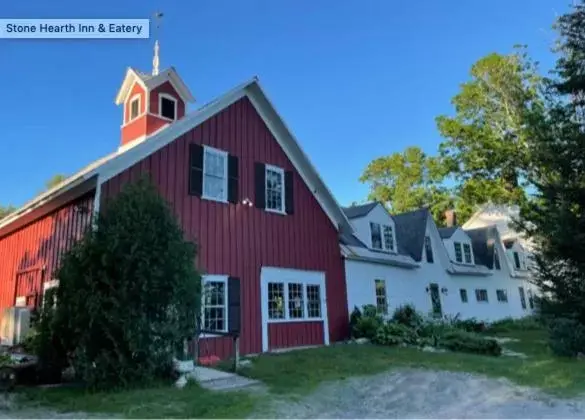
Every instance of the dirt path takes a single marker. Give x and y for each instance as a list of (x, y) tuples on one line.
[(427, 394)]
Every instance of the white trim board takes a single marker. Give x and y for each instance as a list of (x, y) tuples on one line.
[(287, 275)]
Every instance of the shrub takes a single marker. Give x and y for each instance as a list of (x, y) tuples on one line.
[(356, 314), (393, 333), (566, 337), (463, 341), (128, 294), (470, 325), (509, 324), (370, 311), (407, 315), (367, 327)]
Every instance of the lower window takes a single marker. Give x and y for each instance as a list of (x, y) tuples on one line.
[(481, 295), (502, 295), (530, 299), (294, 301), (522, 297), (463, 294), (214, 311), (381, 299)]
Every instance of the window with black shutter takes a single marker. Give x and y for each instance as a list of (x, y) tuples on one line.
[(233, 178), (195, 170), (234, 305), (259, 185), (289, 192)]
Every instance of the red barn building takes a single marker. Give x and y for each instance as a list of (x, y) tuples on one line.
[(266, 225)]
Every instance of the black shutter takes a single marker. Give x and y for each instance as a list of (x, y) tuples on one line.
[(289, 196), (234, 309), (195, 170), (233, 176), (260, 185)]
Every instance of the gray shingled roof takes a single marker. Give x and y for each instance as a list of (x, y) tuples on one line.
[(447, 232), (359, 211), (483, 241), (410, 232), (351, 240)]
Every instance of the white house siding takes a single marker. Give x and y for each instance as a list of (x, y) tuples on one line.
[(408, 285)]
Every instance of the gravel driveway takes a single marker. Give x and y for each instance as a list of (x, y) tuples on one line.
[(427, 394)]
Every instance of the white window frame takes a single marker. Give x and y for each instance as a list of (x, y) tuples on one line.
[(137, 97), (383, 282), (209, 278), (393, 249), (455, 251), (212, 150), (505, 295), (468, 246), (286, 276), (487, 296), (519, 265), (273, 168), (170, 98)]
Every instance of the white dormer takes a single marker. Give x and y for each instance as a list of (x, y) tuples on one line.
[(516, 254), (375, 228), (458, 245)]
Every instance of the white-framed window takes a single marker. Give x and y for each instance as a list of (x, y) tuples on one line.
[(214, 314), (381, 299), (502, 295), (382, 237), (274, 188), (458, 252), (517, 260), (463, 295), (49, 290), (215, 174), (497, 260), (481, 295), (134, 107), (167, 106), (286, 301), (429, 250), (388, 238), (467, 253)]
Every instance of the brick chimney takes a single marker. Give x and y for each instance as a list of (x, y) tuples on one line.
[(450, 218)]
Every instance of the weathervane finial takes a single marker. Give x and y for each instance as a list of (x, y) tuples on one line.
[(156, 59)]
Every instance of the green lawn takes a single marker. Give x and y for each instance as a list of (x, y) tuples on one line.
[(163, 401), (299, 372)]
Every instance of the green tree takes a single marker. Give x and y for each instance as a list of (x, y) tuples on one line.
[(55, 180), (407, 181), (485, 147), (128, 294), (5, 211), (555, 216)]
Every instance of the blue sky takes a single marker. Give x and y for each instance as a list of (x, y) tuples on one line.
[(354, 80)]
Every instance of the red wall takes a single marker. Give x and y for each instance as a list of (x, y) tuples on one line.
[(136, 89), (238, 240), (167, 88), (282, 334), (41, 244)]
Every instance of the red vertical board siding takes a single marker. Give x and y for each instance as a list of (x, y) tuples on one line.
[(285, 334), (238, 240), (40, 244)]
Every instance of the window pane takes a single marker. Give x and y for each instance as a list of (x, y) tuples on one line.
[(167, 108), (134, 108), (296, 304), (463, 294), (376, 235), (502, 295), (314, 301), (496, 260), (467, 252), (381, 301), (214, 306), (275, 300), (429, 249), (458, 255), (388, 238), (516, 260), (522, 297), (481, 295), (274, 190)]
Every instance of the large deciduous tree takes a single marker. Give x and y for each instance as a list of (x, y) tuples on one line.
[(555, 217), (485, 147), (407, 181), (55, 180), (5, 211)]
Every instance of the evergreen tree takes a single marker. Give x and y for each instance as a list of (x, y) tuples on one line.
[(128, 294), (555, 216)]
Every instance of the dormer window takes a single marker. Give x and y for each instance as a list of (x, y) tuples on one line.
[(497, 260), (458, 252), (516, 260), (383, 243), (467, 253), (167, 106), (134, 107)]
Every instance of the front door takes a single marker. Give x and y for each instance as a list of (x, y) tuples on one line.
[(437, 310)]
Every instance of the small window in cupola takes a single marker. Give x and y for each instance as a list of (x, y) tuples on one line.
[(134, 107), (168, 107)]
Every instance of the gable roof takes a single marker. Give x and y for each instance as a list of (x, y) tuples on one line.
[(111, 165), (410, 232), (447, 232), (148, 82), (360, 210), (483, 242)]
